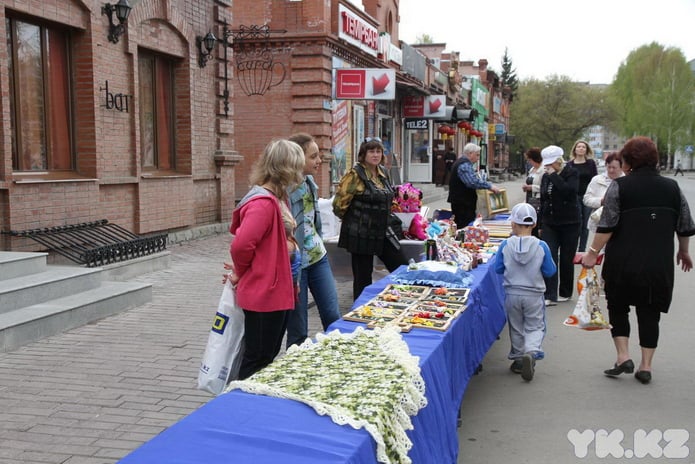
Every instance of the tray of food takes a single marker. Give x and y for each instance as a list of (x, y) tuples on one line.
[(415, 292), (402, 326), (428, 315), (456, 295), (384, 312)]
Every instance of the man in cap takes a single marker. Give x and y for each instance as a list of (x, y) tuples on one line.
[(524, 260), (464, 184)]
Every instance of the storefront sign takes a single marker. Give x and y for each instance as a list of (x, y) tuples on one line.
[(118, 101), (365, 84), (388, 52), (431, 106), (416, 124), (356, 31)]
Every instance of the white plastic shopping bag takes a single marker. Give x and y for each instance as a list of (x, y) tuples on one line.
[(225, 348), (587, 313)]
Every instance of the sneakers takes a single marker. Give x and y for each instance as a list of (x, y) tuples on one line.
[(550, 303), (516, 366), (561, 299), (528, 365)]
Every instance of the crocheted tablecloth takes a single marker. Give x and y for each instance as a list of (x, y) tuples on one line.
[(366, 379)]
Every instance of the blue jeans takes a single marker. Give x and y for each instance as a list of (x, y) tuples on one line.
[(317, 278)]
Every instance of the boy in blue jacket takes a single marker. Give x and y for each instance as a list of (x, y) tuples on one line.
[(524, 260)]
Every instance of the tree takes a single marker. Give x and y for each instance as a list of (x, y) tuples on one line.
[(509, 74), (424, 39), (653, 95), (556, 111)]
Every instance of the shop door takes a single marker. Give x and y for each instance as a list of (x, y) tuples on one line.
[(391, 159), (418, 151)]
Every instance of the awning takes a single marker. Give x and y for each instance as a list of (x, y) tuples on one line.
[(455, 114), (406, 81)]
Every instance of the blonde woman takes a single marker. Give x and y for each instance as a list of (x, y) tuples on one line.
[(262, 250), (582, 160)]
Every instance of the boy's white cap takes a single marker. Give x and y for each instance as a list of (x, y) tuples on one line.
[(523, 214), (551, 153)]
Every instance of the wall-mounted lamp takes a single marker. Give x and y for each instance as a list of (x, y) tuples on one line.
[(205, 46), (122, 10)]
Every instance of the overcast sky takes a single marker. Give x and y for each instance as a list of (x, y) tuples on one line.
[(585, 40)]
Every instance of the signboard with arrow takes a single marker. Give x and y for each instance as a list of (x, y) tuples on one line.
[(365, 84), (431, 106)]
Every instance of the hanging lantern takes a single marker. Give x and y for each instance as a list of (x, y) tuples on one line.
[(442, 130)]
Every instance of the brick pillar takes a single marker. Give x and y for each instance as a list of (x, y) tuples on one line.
[(226, 160)]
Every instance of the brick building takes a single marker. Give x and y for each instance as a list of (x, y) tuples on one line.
[(147, 127), (98, 125)]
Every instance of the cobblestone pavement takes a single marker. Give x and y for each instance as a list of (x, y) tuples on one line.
[(95, 393)]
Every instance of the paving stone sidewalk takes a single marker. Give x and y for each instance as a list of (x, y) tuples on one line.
[(95, 393)]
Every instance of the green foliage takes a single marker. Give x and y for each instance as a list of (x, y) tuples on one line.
[(654, 95), (424, 39), (556, 111), (509, 74)]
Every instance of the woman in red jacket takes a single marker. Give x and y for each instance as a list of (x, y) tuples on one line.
[(261, 250)]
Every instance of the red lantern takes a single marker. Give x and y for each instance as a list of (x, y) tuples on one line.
[(442, 129), (461, 125)]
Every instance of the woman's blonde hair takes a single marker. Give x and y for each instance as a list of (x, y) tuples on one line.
[(589, 150), (281, 165)]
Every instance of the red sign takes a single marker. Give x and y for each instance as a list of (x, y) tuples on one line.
[(413, 107), (432, 106), (367, 84)]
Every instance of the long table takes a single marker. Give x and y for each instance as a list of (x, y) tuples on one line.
[(239, 427)]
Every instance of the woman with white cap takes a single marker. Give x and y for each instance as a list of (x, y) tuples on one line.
[(559, 221)]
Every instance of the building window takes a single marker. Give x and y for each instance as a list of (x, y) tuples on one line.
[(156, 74), (40, 96)]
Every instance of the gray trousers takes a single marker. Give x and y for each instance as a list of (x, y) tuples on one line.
[(526, 320)]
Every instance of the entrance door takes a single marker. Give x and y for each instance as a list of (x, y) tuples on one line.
[(418, 150), (391, 161)]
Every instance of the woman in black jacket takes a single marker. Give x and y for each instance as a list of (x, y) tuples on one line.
[(641, 213), (559, 221)]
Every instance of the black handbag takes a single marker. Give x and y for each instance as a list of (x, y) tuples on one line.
[(396, 226), (394, 231)]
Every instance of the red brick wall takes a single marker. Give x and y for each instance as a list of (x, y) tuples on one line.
[(301, 103), (107, 142), (164, 204)]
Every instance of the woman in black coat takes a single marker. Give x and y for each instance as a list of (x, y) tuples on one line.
[(641, 213), (559, 221)]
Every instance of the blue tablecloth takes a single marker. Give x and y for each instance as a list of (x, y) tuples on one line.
[(241, 428)]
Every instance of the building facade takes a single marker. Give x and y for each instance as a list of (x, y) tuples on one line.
[(111, 120), (151, 115)]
